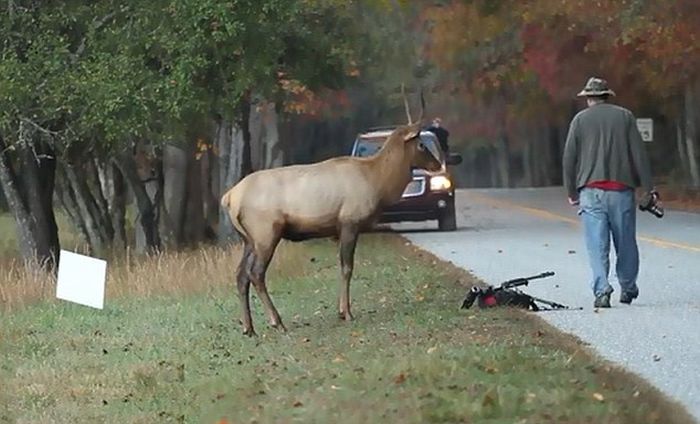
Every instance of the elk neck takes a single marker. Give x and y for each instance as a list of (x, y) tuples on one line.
[(391, 167)]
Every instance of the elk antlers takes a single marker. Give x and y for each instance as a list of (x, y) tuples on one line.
[(408, 110)]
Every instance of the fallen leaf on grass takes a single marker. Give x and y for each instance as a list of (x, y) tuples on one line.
[(399, 379), (297, 404), (491, 370), (598, 397), (338, 359), (489, 398), (432, 349), (420, 298)]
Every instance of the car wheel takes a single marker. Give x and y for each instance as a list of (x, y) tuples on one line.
[(447, 221)]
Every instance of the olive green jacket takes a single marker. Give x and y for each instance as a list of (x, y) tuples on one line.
[(604, 143)]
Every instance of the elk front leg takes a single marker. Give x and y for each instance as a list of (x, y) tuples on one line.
[(243, 284), (348, 241)]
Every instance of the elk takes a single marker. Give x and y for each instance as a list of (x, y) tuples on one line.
[(338, 197)]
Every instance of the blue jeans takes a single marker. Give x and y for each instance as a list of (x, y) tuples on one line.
[(605, 213)]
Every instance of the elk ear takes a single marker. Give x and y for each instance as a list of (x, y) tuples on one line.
[(410, 136), (413, 132)]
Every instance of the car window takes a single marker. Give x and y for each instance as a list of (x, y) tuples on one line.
[(430, 142), (369, 146)]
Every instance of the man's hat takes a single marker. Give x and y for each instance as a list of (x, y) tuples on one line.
[(595, 87)]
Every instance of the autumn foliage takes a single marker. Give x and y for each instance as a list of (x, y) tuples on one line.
[(518, 64)]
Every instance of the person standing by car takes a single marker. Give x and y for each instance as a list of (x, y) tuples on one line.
[(441, 133), (604, 160)]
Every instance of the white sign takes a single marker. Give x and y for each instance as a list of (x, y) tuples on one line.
[(81, 279), (646, 128)]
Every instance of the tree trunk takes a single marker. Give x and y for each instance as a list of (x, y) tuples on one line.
[(680, 142), (257, 135), (31, 197), (503, 159), (540, 155), (244, 127), (116, 199), (691, 134), (274, 153), (265, 145), (528, 159), (193, 225), (175, 167), (212, 188), (97, 188), (230, 140), (113, 191), (493, 169), (99, 231), (70, 207), (146, 204), (233, 141), (557, 139), (16, 203)]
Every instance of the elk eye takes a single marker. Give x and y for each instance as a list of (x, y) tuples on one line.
[(421, 147)]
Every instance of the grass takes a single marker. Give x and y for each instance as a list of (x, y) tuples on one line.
[(168, 348), (8, 236)]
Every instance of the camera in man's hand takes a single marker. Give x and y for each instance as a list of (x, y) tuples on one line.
[(650, 203)]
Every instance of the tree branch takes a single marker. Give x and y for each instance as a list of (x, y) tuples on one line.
[(98, 24)]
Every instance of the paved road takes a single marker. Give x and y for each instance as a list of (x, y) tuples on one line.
[(509, 233)]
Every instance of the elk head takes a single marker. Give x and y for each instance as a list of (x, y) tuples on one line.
[(421, 155)]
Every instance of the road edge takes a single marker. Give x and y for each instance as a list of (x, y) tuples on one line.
[(673, 411)]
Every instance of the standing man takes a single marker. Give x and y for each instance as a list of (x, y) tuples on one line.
[(441, 133), (604, 160)]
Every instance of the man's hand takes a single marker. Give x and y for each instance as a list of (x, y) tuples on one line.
[(573, 202)]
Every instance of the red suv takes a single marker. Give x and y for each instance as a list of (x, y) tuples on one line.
[(430, 195)]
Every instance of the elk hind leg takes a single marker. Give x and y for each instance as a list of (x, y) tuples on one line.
[(243, 285), (263, 256)]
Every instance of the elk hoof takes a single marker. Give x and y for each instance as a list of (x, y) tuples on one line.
[(249, 332), (348, 316), (279, 326)]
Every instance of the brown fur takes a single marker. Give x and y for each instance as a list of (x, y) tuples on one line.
[(338, 197)]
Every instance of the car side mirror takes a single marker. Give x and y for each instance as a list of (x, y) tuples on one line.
[(453, 159)]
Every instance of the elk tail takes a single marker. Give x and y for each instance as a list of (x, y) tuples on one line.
[(231, 201)]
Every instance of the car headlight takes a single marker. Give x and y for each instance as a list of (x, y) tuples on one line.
[(440, 183)]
